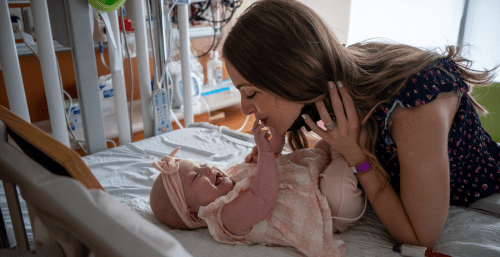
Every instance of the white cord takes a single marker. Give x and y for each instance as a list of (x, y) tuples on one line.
[(31, 40), (102, 57), (155, 75), (131, 71), (112, 142), (66, 114), (208, 109), (369, 243), (160, 82), (222, 135), (176, 120), (244, 124)]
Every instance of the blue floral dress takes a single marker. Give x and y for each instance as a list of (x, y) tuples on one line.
[(474, 156)]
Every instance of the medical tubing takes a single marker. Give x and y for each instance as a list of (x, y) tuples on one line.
[(155, 75), (222, 135), (215, 34), (176, 120), (208, 109), (67, 120), (160, 82), (30, 47), (66, 114), (131, 71), (101, 50), (244, 124)]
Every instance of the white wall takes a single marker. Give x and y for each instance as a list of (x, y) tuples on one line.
[(431, 24), (421, 23), (335, 13)]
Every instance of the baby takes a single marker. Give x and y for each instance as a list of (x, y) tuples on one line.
[(276, 201)]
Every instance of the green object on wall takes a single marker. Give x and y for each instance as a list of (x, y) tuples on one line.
[(106, 5), (489, 98)]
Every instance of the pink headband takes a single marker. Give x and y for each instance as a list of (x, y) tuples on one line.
[(173, 185)]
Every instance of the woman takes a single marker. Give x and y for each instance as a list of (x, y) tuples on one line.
[(402, 116)]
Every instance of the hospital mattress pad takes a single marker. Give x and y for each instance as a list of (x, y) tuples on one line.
[(127, 174)]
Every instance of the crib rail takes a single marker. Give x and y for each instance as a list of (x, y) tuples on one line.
[(68, 219)]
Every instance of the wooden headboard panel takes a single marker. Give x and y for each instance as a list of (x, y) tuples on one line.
[(47, 151)]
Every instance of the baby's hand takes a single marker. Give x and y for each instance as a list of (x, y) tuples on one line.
[(252, 157), (261, 137)]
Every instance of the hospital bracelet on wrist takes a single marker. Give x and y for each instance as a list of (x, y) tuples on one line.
[(276, 155), (358, 169)]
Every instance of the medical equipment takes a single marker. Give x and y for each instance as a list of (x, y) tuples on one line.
[(106, 95), (178, 89), (162, 115), (72, 108), (175, 71), (214, 70), (65, 214)]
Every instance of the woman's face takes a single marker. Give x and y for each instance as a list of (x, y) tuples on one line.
[(276, 112)]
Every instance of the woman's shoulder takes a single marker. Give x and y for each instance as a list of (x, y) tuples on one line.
[(424, 86)]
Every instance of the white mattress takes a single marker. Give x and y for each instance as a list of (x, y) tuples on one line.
[(127, 174)]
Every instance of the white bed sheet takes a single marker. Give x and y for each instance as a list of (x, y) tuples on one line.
[(127, 174)]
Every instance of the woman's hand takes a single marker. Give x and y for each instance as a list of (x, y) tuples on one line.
[(343, 136), (261, 137), (277, 143)]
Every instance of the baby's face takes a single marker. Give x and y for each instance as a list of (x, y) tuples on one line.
[(202, 184)]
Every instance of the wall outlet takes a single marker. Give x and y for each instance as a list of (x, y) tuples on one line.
[(16, 16)]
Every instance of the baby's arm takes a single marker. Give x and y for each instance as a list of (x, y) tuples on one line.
[(277, 144), (252, 206), (323, 145), (340, 187)]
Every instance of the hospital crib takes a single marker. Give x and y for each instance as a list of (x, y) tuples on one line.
[(104, 209), (98, 205)]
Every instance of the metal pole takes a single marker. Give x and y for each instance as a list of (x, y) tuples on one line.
[(82, 49), (119, 91), (10, 65), (461, 32), (137, 10), (186, 69), (160, 45), (50, 73)]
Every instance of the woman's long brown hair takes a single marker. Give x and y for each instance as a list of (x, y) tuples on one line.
[(283, 47)]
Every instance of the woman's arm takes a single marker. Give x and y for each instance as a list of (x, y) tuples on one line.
[(421, 136), (252, 206)]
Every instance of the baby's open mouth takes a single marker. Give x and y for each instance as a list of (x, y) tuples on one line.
[(218, 179)]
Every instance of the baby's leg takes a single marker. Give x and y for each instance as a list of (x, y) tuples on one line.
[(345, 199)]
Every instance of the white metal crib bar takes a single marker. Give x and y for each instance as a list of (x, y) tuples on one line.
[(49, 68), (86, 74), (75, 15), (10, 65)]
